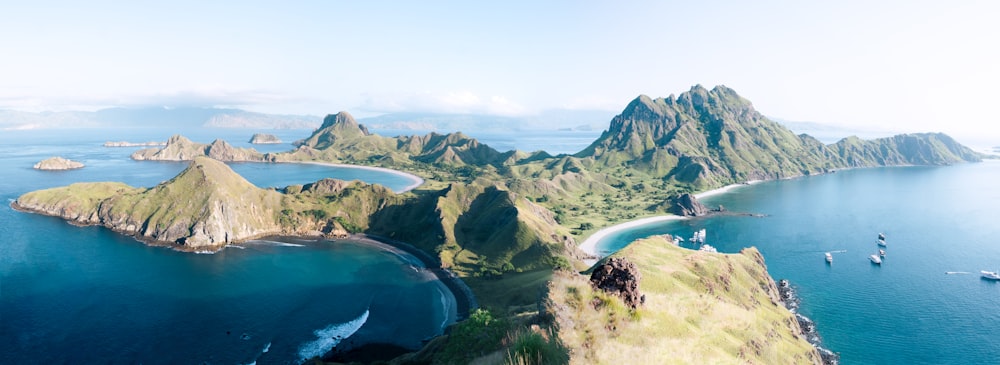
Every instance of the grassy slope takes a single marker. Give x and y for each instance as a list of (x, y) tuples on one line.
[(700, 308)]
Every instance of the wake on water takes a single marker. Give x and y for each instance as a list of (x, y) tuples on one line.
[(330, 336), (276, 243), (956, 272)]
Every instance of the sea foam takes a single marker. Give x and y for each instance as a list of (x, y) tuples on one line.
[(330, 336)]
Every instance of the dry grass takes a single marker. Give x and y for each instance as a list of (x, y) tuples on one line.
[(701, 308)]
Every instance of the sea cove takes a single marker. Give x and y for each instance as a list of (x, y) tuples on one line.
[(938, 220), (89, 295)]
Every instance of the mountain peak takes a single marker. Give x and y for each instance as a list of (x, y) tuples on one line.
[(335, 127), (215, 173), (342, 119)]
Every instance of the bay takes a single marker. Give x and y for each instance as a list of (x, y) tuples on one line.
[(88, 295), (926, 304)]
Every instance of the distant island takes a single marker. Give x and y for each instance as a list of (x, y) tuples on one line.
[(133, 144), (57, 163), (509, 223), (263, 138)]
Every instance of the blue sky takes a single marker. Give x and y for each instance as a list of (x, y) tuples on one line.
[(893, 65)]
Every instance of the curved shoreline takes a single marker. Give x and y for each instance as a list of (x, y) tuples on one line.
[(589, 246), (417, 180), (465, 300)]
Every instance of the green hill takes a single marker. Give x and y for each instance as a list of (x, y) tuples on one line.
[(709, 138), (700, 308)]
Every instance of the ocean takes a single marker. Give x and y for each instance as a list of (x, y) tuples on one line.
[(88, 295), (926, 304)]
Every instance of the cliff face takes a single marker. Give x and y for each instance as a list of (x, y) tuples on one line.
[(699, 308), (205, 206)]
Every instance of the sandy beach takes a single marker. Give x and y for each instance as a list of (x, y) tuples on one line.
[(724, 189), (589, 246), (417, 180)]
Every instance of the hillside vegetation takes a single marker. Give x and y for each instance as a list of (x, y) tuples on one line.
[(508, 224), (700, 308)]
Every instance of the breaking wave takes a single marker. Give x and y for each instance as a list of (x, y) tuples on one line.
[(330, 336)]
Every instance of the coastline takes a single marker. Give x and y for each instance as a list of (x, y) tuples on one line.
[(417, 180), (724, 189), (465, 300), (589, 246)]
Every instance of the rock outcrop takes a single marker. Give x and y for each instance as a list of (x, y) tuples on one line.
[(57, 163), (620, 277), (700, 308), (264, 138), (179, 148), (686, 205)]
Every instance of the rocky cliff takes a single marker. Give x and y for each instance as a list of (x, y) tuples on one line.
[(205, 206)]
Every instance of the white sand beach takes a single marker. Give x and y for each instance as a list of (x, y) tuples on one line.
[(724, 189), (589, 246), (417, 180)]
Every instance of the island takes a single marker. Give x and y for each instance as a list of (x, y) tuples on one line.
[(263, 138), (509, 224), (133, 144), (57, 163)]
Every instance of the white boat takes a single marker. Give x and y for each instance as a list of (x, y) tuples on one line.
[(875, 259), (881, 236), (991, 275), (829, 258), (881, 252), (699, 236), (881, 242)]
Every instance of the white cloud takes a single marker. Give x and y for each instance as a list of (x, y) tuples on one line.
[(211, 96), (454, 102)]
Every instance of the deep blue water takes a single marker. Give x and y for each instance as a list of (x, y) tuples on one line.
[(908, 311), (87, 295)]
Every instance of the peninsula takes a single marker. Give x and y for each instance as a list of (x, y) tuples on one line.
[(509, 223)]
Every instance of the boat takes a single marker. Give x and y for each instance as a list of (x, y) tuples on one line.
[(881, 236), (707, 248), (699, 236), (875, 259), (881, 242), (881, 253), (829, 258), (990, 275)]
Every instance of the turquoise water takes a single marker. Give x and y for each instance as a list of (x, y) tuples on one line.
[(87, 295), (908, 311)]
